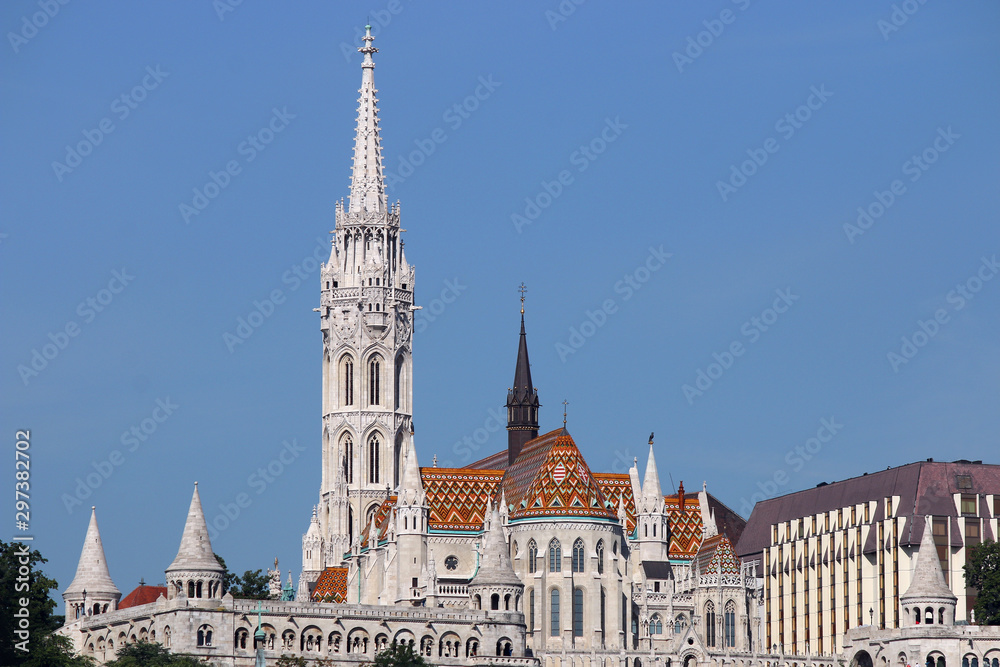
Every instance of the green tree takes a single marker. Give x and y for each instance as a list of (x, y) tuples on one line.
[(291, 661), (148, 654), (982, 572), (253, 585), (21, 579), (399, 655)]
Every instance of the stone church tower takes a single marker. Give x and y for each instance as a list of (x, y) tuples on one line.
[(366, 311)]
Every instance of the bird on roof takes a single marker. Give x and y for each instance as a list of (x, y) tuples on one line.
[(650, 437)]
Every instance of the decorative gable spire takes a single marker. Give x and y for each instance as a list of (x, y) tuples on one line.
[(927, 587), (367, 186), (411, 486), (522, 398), (652, 496), (195, 552), (92, 573)]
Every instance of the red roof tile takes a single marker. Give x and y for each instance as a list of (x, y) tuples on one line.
[(142, 595), (457, 497), (331, 585)]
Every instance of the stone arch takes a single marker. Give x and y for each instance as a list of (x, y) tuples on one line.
[(381, 642), (449, 645), (241, 639), (427, 645), (358, 641), (334, 642), (404, 637), (311, 639), (505, 647), (472, 647), (862, 659)]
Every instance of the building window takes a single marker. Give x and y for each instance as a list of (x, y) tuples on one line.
[(347, 447), (729, 625), (205, 635), (451, 562), (577, 612), (655, 625), (963, 482), (532, 556), (374, 380), (554, 613), (347, 376), (680, 624), (555, 556), (531, 610), (600, 557), (578, 555), (709, 624), (968, 504), (972, 535), (374, 451)]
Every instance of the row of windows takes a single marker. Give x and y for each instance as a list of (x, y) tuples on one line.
[(555, 556), (375, 390), (728, 625)]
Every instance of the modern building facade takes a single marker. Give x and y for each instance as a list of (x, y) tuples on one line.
[(840, 555)]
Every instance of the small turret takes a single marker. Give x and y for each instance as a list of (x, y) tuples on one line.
[(195, 572), (92, 591), (652, 522), (928, 600), (495, 586)]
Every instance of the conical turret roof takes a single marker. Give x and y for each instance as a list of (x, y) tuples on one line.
[(495, 567), (92, 573), (652, 496), (367, 185), (928, 580), (195, 552)]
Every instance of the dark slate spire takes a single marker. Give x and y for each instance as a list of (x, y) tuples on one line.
[(522, 399)]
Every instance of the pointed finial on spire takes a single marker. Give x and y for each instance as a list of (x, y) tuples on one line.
[(650, 438), (565, 407), (522, 289), (435, 461)]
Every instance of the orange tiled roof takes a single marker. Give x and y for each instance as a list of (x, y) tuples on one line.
[(551, 478), (142, 595), (496, 461), (717, 553), (457, 497), (617, 486), (381, 519), (331, 585), (684, 512)]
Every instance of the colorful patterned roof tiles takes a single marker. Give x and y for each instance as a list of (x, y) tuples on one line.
[(331, 585), (684, 513), (457, 497), (717, 554), (617, 487), (551, 478), (381, 519)]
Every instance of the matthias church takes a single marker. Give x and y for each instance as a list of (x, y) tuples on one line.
[(526, 557)]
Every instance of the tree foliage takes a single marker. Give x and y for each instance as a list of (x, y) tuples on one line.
[(20, 578), (150, 654), (982, 571), (253, 585), (399, 655)]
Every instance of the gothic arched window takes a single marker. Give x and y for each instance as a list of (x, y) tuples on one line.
[(709, 624), (555, 556), (578, 556), (554, 613), (374, 450), (577, 612), (656, 625), (347, 380), (600, 556), (374, 381), (729, 625), (347, 447), (532, 556)]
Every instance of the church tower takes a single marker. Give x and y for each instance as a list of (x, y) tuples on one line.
[(522, 399), (366, 311)]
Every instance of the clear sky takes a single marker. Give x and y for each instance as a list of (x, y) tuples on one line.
[(671, 181)]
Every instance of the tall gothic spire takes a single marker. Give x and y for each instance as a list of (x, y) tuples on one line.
[(92, 573), (652, 496), (195, 552), (522, 399), (367, 186)]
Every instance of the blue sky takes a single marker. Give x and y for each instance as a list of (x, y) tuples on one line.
[(739, 138)]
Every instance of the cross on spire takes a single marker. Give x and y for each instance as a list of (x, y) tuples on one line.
[(522, 289), (565, 409)]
